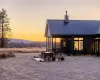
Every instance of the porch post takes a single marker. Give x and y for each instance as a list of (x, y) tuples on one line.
[(46, 43), (98, 47), (52, 43), (94, 47), (55, 44), (78, 43), (72, 48)]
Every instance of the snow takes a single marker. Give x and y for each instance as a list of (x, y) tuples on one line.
[(24, 67), (39, 59)]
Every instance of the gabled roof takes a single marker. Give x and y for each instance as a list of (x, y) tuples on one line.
[(74, 27)]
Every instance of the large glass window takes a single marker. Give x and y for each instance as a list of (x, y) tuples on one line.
[(58, 42), (64, 44), (96, 47), (75, 38), (75, 45), (99, 47), (78, 43)]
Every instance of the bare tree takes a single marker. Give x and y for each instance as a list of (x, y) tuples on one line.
[(4, 28)]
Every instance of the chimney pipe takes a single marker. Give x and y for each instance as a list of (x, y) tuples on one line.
[(66, 18)]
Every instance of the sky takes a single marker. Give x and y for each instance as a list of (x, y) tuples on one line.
[(28, 17)]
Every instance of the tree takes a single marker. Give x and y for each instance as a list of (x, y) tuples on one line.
[(5, 29)]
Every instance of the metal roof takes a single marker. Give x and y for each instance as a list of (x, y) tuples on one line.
[(74, 27)]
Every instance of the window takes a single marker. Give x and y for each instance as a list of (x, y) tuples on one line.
[(78, 43), (75, 45), (75, 38), (64, 44), (80, 38)]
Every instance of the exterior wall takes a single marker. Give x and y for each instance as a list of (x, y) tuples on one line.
[(87, 44), (96, 46), (52, 44), (72, 45), (67, 45), (49, 44)]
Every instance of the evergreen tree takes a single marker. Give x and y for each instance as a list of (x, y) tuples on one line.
[(5, 29)]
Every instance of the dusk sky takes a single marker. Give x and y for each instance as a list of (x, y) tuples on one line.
[(28, 17)]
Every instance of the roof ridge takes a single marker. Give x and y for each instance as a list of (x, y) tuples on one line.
[(69, 20)]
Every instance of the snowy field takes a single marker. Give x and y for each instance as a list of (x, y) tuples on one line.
[(24, 50), (24, 67)]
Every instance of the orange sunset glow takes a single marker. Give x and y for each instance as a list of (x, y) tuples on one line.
[(28, 17)]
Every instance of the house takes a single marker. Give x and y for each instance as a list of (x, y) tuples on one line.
[(81, 36)]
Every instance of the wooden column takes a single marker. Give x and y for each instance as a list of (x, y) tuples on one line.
[(52, 43), (72, 43), (78, 44), (94, 47), (55, 43), (61, 44), (98, 46), (49, 44), (46, 44)]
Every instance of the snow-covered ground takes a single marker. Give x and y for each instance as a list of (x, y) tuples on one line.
[(24, 67), (26, 50)]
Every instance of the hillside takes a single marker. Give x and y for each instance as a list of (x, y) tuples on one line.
[(24, 43)]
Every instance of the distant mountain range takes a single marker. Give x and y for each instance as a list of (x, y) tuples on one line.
[(25, 43), (21, 40)]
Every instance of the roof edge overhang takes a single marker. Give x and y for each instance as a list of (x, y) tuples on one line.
[(47, 30), (71, 35)]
